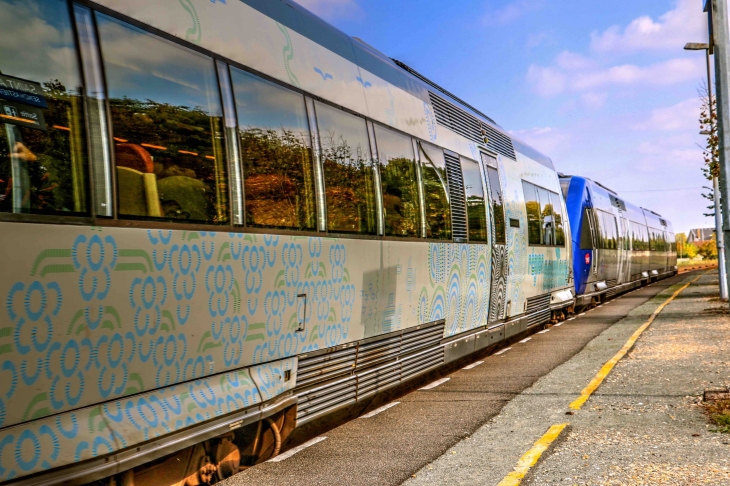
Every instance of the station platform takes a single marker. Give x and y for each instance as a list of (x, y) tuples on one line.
[(611, 396)]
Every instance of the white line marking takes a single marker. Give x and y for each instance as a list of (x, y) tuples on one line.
[(599, 306), (503, 351), (544, 331), (291, 452), (525, 340), (473, 365), (435, 383), (560, 323), (581, 314), (378, 410), (571, 318)]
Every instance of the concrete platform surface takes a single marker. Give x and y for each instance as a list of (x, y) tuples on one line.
[(472, 428), (643, 425)]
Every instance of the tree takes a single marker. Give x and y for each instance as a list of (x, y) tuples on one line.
[(681, 239), (691, 250), (711, 150), (708, 249)]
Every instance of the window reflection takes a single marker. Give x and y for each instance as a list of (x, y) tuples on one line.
[(497, 205), (400, 185), (276, 154), (436, 192), (167, 125), (546, 217), (348, 171), (559, 221), (42, 145), (475, 208), (534, 214)]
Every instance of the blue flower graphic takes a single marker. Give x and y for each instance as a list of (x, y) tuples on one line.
[(147, 298)]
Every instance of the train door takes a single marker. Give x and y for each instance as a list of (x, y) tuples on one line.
[(624, 242), (500, 262)]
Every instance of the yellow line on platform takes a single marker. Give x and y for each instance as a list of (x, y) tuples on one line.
[(606, 369), (531, 457)]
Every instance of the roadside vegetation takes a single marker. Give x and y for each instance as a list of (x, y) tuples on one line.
[(718, 411)]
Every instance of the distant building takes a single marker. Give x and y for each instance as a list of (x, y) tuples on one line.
[(700, 235)]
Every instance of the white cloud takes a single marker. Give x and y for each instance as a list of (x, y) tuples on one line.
[(575, 73), (331, 9), (546, 81), (594, 100), (685, 23), (512, 11), (545, 139), (665, 72), (682, 116), (539, 38)]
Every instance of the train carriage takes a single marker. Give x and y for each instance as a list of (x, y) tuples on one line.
[(222, 220), (616, 245)]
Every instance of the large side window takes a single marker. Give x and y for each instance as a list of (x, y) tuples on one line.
[(436, 192), (559, 220), (534, 218), (495, 190), (546, 217), (400, 185), (348, 171), (476, 211), (42, 141), (276, 154), (167, 126)]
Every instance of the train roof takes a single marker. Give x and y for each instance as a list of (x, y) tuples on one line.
[(607, 198), (355, 50)]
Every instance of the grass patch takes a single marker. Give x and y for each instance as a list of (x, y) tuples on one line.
[(718, 411), (696, 263)]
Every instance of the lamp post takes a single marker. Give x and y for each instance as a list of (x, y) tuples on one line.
[(697, 46)]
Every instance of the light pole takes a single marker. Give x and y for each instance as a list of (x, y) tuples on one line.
[(697, 46)]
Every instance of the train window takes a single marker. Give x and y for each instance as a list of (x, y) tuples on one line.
[(167, 127), (546, 217), (495, 190), (436, 192), (610, 230), (559, 219), (399, 182), (43, 163), (476, 211), (586, 233), (534, 220), (348, 171), (276, 154)]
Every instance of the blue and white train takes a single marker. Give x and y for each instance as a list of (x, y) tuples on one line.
[(617, 246), (220, 221)]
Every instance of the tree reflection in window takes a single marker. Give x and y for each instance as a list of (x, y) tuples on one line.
[(42, 169), (276, 154), (534, 214), (348, 171), (546, 217), (167, 126), (399, 182), (436, 192), (559, 220), (476, 211)]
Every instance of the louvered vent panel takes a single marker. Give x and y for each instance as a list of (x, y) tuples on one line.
[(329, 381), (456, 195), (469, 126), (537, 303)]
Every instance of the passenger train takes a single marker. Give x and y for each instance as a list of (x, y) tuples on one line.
[(617, 246), (221, 220)]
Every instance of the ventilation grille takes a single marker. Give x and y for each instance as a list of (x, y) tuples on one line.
[(457, 198), (538, 303), (611, 282), (335, 379), (663, 222), (471, 127), (617, 202)]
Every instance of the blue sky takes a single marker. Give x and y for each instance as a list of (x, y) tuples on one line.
[(603, 88)]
